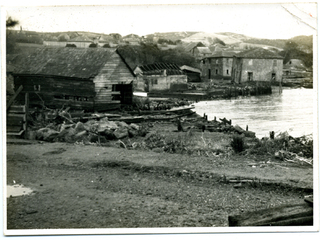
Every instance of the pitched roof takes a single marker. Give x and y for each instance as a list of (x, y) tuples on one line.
[(82, 38), (67, 62), (295, 64), (221, 54), (192, 45), (259, 53), (191, 69), (158, 68), (204, 50)]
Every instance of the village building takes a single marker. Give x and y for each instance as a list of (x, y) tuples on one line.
[(217, 66), (80, 41), (81, 78), (193, 74), (160, 77), (257, 65), (131, 39)]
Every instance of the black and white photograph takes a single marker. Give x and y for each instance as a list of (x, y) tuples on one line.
[(159, 118)]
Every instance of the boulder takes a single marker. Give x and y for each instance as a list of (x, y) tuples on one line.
[(102, 126), (132, 132), (250, 134), (134, 126), (47, 134), (122, 124), (79, 127), (81, 136), (105, 119), (108, 134), (238, 129), (121, 133), (69, 136)]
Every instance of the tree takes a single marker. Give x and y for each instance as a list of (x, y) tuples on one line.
[(11, 22)]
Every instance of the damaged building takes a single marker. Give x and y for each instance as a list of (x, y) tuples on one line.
[(160, 77), (81, 78)]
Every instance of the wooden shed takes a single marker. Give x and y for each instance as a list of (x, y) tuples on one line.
[(82, 78)]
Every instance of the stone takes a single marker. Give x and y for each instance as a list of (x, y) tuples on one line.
[(108, 134), (133, 133), (81, 136), (70, 135), (250, 134), (102, 126), (105, 119), (238, 129), (79, 127), (121, 133), (46, 134), (122, 124), (134, 126)]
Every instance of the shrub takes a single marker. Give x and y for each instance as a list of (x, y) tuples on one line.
[(237, 143)]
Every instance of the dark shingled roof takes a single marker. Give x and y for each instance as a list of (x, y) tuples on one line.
[(80, 39), (258, 53), (222, 54), (158, 68), (67, 62)]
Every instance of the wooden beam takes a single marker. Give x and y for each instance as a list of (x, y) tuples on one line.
[(14, 96)]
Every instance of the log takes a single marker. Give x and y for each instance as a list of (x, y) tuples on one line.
[(288, 215)]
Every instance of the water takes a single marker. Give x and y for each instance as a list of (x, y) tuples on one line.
[(291, 111), (17, 190)]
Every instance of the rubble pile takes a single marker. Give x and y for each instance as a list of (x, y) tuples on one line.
[(92, 131)]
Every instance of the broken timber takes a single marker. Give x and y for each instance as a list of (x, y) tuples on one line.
[(288, 215)]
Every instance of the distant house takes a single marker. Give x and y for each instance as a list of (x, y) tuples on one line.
[(193, 74), (190, 46), (217, 66), (131, 39), (81, 78), (80, 41), (295, 68), (160, 77), (257, 65)]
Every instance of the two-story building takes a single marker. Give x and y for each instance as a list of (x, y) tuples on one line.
[(217, 66), (257, 65)]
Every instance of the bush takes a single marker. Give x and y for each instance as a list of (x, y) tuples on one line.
[(237, 143)]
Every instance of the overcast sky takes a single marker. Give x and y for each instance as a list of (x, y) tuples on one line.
[(255, 20)]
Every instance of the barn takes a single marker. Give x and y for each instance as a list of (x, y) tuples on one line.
[(81, 78)]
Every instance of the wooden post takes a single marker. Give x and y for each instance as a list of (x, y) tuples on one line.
[(247, 128), (14, 96), (26, 102)]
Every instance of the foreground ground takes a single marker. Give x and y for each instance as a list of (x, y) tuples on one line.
[(87, 186)]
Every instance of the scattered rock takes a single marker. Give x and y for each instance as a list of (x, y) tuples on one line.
[(46, 134), (238, 129), (134, 126), (122, 124), (79, 127), (132, 133), (121, 133), (250, 134)]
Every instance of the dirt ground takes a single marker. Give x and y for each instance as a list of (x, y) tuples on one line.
[(88, 186)]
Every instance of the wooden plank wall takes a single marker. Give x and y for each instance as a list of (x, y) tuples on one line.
[(114, 72), (56, 92)]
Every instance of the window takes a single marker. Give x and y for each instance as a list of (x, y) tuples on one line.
[(217, 71), (217, 61), (274, 63), (155, 81), (250, 76), (36, 88), (227, 71)]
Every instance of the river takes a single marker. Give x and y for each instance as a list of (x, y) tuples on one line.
[(290, 111)]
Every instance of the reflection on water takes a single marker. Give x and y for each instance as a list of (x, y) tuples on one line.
[(17, 190), (291, 111)]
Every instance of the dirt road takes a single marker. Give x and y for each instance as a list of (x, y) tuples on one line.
[(76, 186)]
